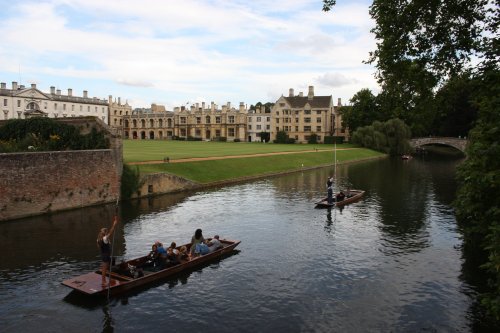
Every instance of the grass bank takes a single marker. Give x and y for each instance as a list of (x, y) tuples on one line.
[(154, 150), (223, 170)]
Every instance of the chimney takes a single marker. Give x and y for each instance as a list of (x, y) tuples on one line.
[(202, 106), (14, 85), (53, 90), (85, 94), (290, 92), (197, 106), (119, 101), (110, 99), (310, 95), (3, 85), (33, 86), (224, 108), (70, 92), (212, 106), (301, 94), (242, 107), (339, 102), (228, 106), (58, 91)]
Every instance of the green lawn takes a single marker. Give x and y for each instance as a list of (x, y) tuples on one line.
[(219, 170), (153, 150)]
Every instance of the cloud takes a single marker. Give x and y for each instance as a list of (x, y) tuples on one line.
[(335, 80), (134, 83)]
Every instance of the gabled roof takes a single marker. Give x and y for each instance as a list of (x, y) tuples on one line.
[(298, 102)]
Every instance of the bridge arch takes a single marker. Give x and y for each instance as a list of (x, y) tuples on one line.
[(457, 143)]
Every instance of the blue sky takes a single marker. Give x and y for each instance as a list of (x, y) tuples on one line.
[(178, 52)]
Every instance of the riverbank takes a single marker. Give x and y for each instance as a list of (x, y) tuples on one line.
[(176, 177)]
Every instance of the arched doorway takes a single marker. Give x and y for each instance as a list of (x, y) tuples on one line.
[(151, 135)]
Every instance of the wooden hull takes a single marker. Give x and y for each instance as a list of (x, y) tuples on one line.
[(355, 196), (91, 283)]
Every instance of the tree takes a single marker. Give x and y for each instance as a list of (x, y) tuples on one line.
[(391, 137), (362, 112)]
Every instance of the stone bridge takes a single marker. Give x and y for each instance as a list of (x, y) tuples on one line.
[(457, 143)]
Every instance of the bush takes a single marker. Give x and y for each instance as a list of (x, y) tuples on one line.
[(313, 138), (236, 140), (130, 182), (45, 134)]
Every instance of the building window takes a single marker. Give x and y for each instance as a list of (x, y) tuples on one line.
[(103, 110), (217, 121), (81, 108), (249, 127), (231, 119), (296, 128), (277, 113), (183, 120), (198, 120), (318, 128), (258, 127), (5, 102), (64, 107), (230, 131), (282, 104), (318, 112), (307, 128), (258, 119), (55, 106), (96, 109), (249, 119), (307, 120), (72, 107), (198, 133), (277, 121), (268, 127), (307, 111), (18, 103), (268, 118), (217, 133), (88, 108), (318, 120)]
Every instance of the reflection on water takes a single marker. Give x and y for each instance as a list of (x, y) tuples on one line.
[(393, 258)]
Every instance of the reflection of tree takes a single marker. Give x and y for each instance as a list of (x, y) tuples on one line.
[(403, 199)]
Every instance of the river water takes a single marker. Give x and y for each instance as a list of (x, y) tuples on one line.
[(390, 262)]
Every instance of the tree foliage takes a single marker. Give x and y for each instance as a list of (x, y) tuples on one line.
[(390, 137), (363, 111), (45, 134)]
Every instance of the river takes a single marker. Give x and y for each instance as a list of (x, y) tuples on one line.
[(390, 262)]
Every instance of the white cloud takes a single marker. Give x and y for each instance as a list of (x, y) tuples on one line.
[(236, 51)]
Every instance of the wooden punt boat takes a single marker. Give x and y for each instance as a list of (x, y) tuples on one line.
[(91, 283), (354, 195)]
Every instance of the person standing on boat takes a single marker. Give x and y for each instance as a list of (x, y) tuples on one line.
[(330, 194), (329, 182), (104, 245)]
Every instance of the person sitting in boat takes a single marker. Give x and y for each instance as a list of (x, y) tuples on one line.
[(214, 244), (340, 196), (196, 240), (173, 245), (153, 259), (171, 258), (183, 254), (160, 249)]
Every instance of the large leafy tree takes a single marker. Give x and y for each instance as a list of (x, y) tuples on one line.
[(362, 112), (434, 41)]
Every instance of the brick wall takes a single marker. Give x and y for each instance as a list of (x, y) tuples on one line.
[(41, 182)]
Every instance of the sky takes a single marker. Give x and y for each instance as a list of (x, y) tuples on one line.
[(178, 53)]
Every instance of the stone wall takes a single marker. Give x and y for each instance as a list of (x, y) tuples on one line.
[(161, 183), (33, 183), (42, 182)]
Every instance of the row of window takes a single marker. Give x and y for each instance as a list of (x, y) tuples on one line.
[(259, 127), (306, 128), (259, 119), (34, 106), (230, 120), (290, 120), (297, 112)]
